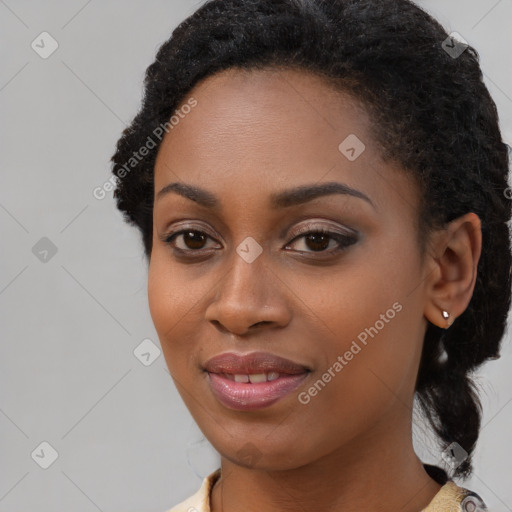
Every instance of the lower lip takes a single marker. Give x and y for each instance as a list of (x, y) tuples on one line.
[(247, 396)]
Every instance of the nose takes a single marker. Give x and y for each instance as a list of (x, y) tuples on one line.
[(248, 297)]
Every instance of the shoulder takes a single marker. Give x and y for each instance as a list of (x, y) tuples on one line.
[(453, 498), (200, 501)]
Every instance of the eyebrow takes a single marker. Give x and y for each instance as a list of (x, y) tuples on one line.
[(287, 198)]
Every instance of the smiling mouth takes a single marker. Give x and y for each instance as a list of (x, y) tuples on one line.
[(253, 381)]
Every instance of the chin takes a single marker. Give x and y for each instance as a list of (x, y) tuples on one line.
[(264, 455)]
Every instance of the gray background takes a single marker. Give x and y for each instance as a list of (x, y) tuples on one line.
[(70, 324)]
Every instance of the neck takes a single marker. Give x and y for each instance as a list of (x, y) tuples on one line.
[(378, 472)]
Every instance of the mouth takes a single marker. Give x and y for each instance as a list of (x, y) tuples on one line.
[(253, 381)]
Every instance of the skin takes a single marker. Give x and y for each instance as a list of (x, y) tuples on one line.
[(251, 135)]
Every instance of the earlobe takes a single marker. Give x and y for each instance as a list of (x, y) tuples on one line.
[(439, 316), (448, 318), (451, 283)]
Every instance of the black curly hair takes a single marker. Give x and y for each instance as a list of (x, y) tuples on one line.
[(432, 115)]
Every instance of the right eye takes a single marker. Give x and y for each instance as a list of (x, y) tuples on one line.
[(186, 240)]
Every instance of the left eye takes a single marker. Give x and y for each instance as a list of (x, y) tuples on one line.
[(318, 240)]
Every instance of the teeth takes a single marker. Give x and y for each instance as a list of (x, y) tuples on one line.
[(257, 377), (253, 378)]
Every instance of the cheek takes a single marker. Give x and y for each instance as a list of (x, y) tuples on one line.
[(176, 305), (170, 307), (351, 298), (369, 317), (160, 288), (171, 296)]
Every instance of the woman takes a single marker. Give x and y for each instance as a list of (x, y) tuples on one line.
[(320, 189)]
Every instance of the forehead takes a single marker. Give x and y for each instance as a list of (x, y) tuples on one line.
[(238, 110), (267, 130)]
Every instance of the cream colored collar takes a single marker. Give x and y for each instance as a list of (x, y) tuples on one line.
[(450, 498)]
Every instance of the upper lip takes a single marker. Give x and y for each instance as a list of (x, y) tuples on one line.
[(254, 362)]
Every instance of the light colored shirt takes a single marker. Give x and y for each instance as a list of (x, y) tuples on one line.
[(450, 498)]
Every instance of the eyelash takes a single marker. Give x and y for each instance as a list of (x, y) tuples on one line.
[(344, 241)]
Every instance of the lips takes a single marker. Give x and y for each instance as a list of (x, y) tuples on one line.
[(253, 381), (253, 363)]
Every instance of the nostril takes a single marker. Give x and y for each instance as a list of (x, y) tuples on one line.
[(260, 323)]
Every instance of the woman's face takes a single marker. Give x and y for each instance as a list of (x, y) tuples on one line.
[(245, 276)]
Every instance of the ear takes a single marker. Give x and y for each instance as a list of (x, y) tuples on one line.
[(452, 268)]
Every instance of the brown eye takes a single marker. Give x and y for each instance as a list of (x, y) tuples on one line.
[(321, 239), (317, 241), (194, 239), (190, 240)]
